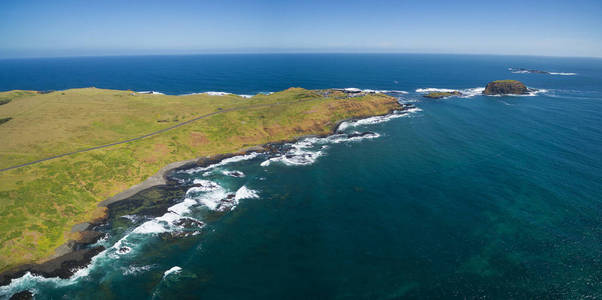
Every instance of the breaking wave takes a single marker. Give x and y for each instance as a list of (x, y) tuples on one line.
[(466, 93), (238, 174), (563, 73), (150, 93), (377, 119), (223, 162), (173, 270), (245, 193), (133, 270), (370, 91)]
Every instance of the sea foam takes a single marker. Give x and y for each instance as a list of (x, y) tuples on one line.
[(377, 119), (466, 93), (223, 162), (245, 193), (563, 73), (173, 270)]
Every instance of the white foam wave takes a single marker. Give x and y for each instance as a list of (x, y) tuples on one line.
[(132, 270), (245, 193), (531, 93), (223, 162), (306, 151), (131, 218), (173, 270), (535, 92), (150, 93), (563, 73), (211, 93), (430, 90), (182, 207), (234, 173), (370, 91), (298, 155), (376, 119), (466, 93), (204, 186), (29, 281), (214, 93), (149, 227), (212, 199), (216, 198), (164, 223)]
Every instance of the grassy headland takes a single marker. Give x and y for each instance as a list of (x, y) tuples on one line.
[(40, 203)]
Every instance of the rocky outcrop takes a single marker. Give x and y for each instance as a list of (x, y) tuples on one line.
[(62, 267), (22, 295), (439, 95), (505, 87)]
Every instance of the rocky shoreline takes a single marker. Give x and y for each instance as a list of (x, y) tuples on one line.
[(77, 253)]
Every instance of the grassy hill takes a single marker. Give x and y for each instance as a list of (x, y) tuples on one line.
[(40, 203)]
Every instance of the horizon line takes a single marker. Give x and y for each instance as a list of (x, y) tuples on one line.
[(291, 53)]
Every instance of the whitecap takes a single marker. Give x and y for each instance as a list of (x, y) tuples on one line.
[(131, 218), (563, 73), (203, 186), (245, 193), (173, 270), (182, 207), (369, 91), (211, 93), (234, 173), (150, 227), (430, 90), (150, 93), (466, 93), (376, 119), (301, 152), (211, 199), (223, 162), (132, 270), (530, 93)]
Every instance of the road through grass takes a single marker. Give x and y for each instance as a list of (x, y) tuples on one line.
[(64, 174)]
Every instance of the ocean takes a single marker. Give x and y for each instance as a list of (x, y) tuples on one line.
[(463, 197)]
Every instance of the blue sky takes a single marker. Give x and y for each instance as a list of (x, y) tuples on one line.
[(113, 27)]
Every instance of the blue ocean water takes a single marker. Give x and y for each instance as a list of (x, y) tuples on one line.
[(466, 197)]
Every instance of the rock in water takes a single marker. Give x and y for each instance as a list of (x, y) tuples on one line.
[(503, 87), (22, 295), (439, 95)]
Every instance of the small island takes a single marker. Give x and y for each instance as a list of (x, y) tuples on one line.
[(506, 87), (439, 95)]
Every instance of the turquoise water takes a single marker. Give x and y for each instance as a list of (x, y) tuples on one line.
[(495, 197)]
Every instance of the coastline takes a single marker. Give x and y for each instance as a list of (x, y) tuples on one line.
[(75, 254)]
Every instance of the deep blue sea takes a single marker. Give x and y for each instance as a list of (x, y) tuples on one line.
[(465, 197)]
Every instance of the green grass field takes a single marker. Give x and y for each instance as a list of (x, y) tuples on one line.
[(40, 203)]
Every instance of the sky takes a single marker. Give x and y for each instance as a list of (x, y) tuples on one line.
[(30, 28)]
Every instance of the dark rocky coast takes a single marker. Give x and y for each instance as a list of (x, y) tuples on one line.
[(151, 198)]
